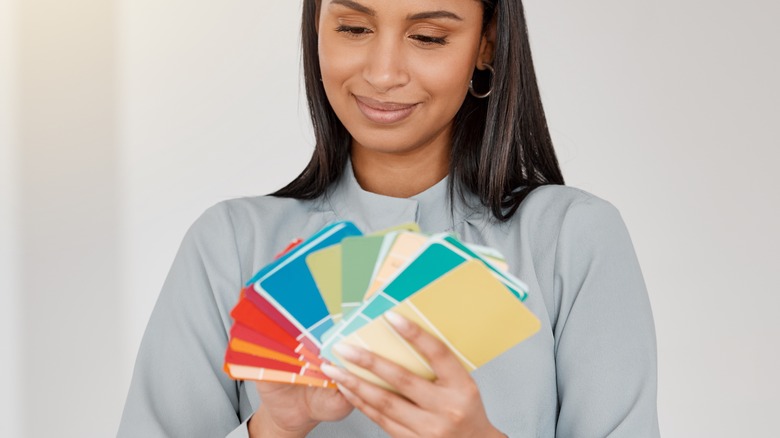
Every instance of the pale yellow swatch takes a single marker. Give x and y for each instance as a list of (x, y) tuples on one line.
[(467, 308), (325, 268)]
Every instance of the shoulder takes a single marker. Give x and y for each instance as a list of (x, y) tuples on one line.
[(579, 246), (240, 215), (251, 230), (554, 225), (554, 201), (548, 215), (554, 212), (586, 237), (567, 230)]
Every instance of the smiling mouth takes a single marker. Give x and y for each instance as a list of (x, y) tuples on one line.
[(384, 113)]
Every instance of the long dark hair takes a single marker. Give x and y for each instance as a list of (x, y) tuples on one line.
[(501, 147)]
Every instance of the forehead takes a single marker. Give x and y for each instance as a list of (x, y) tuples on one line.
[(465, 8)]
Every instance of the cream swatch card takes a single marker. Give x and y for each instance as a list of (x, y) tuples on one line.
[(469, 309)]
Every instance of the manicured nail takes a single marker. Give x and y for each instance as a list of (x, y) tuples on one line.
[(346, 351), (331, 371), (397, 320), (347, 393)]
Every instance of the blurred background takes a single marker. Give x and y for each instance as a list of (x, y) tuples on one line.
[(121, 121)]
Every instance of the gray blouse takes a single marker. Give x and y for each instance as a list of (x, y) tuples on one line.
[(589, 372)]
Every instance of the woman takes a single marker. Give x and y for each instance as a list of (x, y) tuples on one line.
[(426, 111)]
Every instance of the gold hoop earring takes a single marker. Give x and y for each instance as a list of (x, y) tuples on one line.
[(489, 68)]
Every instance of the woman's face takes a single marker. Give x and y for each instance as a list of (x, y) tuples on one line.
[(396, 72)]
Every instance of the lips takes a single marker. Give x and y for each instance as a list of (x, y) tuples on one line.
[(384, 113)]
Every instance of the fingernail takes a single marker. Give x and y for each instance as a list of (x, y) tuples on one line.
[(396, 320), (331, 371), (347, 351), (344, 390)]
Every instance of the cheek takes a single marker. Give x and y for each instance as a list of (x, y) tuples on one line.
[(339, 68), (447, 78), (337, 64)]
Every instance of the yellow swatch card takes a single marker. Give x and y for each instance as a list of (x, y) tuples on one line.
[(325, 268), (472, 312)]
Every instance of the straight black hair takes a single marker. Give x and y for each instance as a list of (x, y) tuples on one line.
[(501, 146)]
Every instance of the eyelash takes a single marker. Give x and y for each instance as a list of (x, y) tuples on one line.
[(356, 32), (353, 31), (425, 39)]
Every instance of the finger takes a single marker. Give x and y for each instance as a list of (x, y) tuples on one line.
[(445, 364), (390, 426), (417, 389), (390, 405)]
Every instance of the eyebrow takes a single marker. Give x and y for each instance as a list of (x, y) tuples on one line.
[(433, 15), (355, 6), (418, 16)]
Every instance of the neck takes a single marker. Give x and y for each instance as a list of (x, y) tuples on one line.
[(399, 175)]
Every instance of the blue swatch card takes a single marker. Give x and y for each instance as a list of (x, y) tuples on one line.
[(289, 286)]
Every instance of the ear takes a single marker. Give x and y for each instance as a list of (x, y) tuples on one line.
[(488, 44)]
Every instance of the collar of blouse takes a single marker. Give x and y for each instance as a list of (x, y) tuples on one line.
[(371, 211)]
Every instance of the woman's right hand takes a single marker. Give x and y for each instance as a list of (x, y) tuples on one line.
[(294, 410)]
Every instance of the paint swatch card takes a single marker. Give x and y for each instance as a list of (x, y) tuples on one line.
[(359, 256), (290, 287), (399, 250), (433, 260), (286, 347), (476, 326), (336, 286), (325, 267)]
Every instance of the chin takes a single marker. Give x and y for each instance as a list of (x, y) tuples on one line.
[(387, 142)]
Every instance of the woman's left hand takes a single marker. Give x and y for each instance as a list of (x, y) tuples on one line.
[(450, 406)]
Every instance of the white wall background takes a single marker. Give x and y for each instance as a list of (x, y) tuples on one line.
[(129, 118), (9, 287)]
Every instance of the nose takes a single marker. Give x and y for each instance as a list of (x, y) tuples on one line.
[(385, 68)]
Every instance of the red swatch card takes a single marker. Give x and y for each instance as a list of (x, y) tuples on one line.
[(260, 316)]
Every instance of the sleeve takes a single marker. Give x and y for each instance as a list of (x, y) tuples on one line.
[(605, 342), (178, 387)]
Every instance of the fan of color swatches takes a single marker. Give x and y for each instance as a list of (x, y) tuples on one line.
[(336, 285)]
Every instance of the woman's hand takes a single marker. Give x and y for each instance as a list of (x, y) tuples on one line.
[(450, 406), (294, 410)]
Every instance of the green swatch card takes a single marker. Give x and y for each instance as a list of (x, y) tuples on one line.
[(358, 257)]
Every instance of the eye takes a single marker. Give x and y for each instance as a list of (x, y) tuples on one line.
[(427, 40), (353, 31)]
